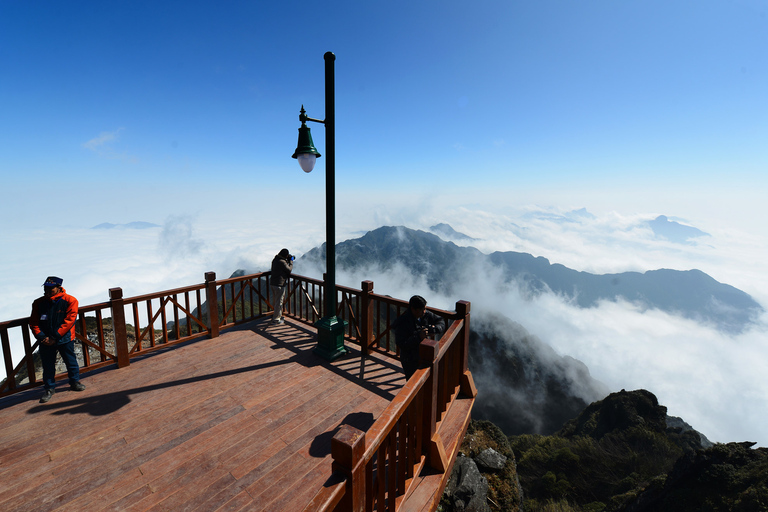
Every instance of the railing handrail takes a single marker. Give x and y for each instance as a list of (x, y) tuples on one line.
[(448, 337), (16, 322), (164, 293)]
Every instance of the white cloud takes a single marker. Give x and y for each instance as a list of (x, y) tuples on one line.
[(103, 140), (104, 146), (714, 381), (177, 240)]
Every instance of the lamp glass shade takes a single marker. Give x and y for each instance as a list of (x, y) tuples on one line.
[(307, 161)]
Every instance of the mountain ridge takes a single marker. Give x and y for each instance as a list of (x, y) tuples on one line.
[(130, 225), (691, 294)]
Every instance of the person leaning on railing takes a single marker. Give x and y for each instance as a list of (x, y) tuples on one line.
[(53, 323), (413, 326), (282, 266)]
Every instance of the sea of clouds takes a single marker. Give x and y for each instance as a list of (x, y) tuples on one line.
[(714, 381)]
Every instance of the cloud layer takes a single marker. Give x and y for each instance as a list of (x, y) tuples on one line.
[(713, 381)]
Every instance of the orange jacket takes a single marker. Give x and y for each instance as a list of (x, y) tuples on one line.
[(53, 317)]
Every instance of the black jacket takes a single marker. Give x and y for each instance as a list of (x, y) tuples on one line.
[(281, 271), (407, 326)]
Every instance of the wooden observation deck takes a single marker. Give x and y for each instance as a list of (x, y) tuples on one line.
[(189, 411)]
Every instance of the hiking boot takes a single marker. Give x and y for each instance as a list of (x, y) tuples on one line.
[(47, 395), (77, 386)]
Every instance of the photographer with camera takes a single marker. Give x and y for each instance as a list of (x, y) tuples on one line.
[(413, 326), (282, 266)]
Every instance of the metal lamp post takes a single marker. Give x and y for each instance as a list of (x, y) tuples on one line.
[(330, 329)]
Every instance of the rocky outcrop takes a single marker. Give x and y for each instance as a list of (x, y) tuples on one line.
[(467, 489), (484, 476), (618, 411), (606, 457), (627, 410), (490, 460)]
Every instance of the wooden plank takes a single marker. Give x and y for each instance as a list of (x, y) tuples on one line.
[(48, 494), (195, 473), (274, 485), (126, 501), (144, 439), (272, 460), (99, 497), (281, 429), (303, 492), (240, 502)]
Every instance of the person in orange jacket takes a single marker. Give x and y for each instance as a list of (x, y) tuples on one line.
[(53, 323)]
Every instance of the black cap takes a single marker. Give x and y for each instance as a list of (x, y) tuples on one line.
[(53, 281), (418, 302)]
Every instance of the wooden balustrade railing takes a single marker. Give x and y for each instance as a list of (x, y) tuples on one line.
[(373, 470), (379, 466), (114, 332)]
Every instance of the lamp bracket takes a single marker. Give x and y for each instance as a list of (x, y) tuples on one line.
[(304, 118)]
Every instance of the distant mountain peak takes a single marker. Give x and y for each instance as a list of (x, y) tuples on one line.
[(104, 225), (130, 225), (674, 231), (581, 212), (447, 232)]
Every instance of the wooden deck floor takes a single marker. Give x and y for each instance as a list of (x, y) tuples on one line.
[(240, 422)]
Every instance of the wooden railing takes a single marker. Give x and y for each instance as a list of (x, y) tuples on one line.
[(113, 332), (373, 470)]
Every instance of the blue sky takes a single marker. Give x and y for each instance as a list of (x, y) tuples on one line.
[(496, 96)]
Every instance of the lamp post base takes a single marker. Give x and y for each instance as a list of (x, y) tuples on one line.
[(330, 338)]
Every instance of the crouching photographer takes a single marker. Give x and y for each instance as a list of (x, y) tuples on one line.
[(413, 326)]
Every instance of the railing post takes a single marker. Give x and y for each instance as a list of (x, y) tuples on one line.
[(28, 350), (117, 306), (366, 323), (213, 304), (5, 342), (434, 449), (347, 450), (466, 382)]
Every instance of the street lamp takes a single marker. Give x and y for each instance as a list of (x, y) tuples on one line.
[(330, 329)]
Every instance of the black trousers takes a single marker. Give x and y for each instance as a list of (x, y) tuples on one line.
[(409, 358)]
